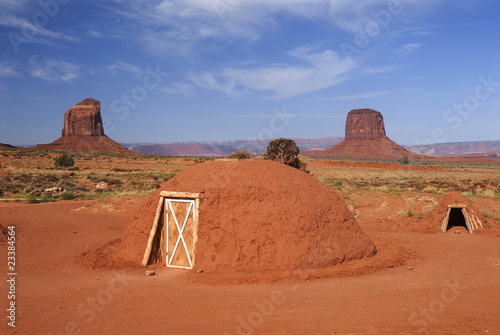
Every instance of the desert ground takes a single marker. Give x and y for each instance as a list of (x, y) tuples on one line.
[(421, 281)]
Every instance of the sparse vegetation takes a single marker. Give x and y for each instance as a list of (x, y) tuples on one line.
[(240, 154), (31, 199), (36, 177), (64, 161), (67, 196), (404, 161), (409, 213)]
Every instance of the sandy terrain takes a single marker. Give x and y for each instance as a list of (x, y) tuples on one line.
[(432, 283)]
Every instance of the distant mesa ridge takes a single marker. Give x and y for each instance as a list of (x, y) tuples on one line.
[(83, 131), (224, 148), (6, 146)]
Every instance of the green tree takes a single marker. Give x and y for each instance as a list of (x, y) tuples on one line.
[(284, 150), (64, 161)]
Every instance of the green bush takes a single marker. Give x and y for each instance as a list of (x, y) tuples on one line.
[(64, 161), (31, 199), (67, 196)]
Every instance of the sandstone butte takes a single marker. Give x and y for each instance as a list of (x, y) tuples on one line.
[(365, 138), (83, 131)]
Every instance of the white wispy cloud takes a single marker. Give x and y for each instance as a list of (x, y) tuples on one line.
[(177, 89), (124, 67), (27, 31), (12, 5), (409, 48), (180, 26), (8, 69), (54, 70), (319, 70), (95, 34)]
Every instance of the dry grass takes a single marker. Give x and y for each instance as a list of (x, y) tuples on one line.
[(471, 180)]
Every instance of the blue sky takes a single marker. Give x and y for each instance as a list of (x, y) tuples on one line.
[(203, 70)]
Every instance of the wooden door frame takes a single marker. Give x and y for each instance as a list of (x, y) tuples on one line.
[(161, 211)]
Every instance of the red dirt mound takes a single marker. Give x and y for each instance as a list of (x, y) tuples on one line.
[(256, 216), (437, 215)]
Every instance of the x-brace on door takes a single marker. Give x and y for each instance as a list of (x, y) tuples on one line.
[(180, 232)]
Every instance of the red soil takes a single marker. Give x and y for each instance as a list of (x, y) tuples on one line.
[(448, 285), (258, 215)]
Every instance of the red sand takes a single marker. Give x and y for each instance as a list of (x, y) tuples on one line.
[(449, 286), (258, 215)]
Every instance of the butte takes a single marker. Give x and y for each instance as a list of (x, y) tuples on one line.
[(83, 131), (365, 138)]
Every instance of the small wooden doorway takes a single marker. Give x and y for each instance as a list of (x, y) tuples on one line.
[(174, 233), (180, 232)]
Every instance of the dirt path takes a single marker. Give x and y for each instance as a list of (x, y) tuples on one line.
[(451, 286)]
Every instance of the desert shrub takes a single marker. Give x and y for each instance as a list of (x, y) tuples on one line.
[(409, 212), (67, 196), (23, 178), (64, 161), (284, 150), (240, 154), (10, 187), (121, 170), (113, 181), (45, 179), (404, 161), (338, 184), (31, 199)]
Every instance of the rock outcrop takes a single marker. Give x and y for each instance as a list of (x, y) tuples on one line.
[(83, 131), (365, 138), (84, 119), (364, 124)]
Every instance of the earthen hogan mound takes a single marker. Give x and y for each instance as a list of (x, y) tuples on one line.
[(257, 215), (435, 218)]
